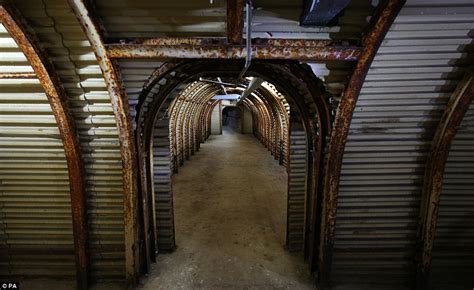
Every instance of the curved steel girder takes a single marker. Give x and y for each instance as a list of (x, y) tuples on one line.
[(44, 70), (276, 106), (312, 231), (455, 111), (340, 131), (127, 146), (203, 92), (275, 73)]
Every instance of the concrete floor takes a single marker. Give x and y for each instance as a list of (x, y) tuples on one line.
[(230, 213)]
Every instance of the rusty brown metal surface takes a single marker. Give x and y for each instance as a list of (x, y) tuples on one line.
[(235, 20), (371, 43), (200, 41), (192, 69), (287, 51), (44, 71), (312, 234), (433, 181), (17, 75), (127, 146)]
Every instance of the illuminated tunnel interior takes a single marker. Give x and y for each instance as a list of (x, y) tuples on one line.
[(217, 138)]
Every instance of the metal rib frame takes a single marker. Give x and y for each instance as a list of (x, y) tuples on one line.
[(14, 23)]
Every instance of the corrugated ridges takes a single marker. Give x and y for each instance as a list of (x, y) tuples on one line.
[(296, 189), (163, 187), (405, 93), (68, 48), (453, 251), (148, 18), (35, 214), (134, 75)]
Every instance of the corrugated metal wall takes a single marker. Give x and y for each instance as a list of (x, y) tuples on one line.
[(406, 91), (453, 250), (134, 75), (148, 18), (163, 186), (35, 214), (69, 50), (297, 174)]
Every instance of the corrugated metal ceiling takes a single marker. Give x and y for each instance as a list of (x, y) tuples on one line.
[(35, 218), (406, 91), (148, 18), (69, 50)]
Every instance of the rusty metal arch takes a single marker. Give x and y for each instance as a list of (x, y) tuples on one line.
[(277, 112), (43, 69), (264, 116), (199, 95), (186, 71), (324, 127), (178, 113), (199, 110), (272, 116), (280, 102), (455, 111), (127, 146), (371, 42)]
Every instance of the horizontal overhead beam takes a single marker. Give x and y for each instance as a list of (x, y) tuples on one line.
[(198, 48), (205, 41), (17, 75)]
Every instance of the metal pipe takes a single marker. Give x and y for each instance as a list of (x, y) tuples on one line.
[(252, 87), (222, 86), (248, 40), (216, 82)]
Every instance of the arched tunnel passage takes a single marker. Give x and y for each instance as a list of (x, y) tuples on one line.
[(175, 117), (232, 119)]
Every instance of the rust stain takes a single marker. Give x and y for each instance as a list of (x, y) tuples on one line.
[(17, 75), (433, 181), (44, 71), (371, 42), (191, 69), (235, 20), (201, 41), (119, 103), (297, 51)]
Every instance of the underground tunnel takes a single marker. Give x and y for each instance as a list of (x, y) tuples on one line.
[(242, 144)]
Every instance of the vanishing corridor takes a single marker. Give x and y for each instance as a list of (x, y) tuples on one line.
[(230, 210)]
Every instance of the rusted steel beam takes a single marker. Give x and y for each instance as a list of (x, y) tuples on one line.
[(340, 130), (288, 52), (182, 41), (17, 75), (44, 71), (235, 20), (127, 146), (457, 107)]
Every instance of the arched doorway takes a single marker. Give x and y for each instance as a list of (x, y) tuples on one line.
[(231, 120), (305, 137)]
